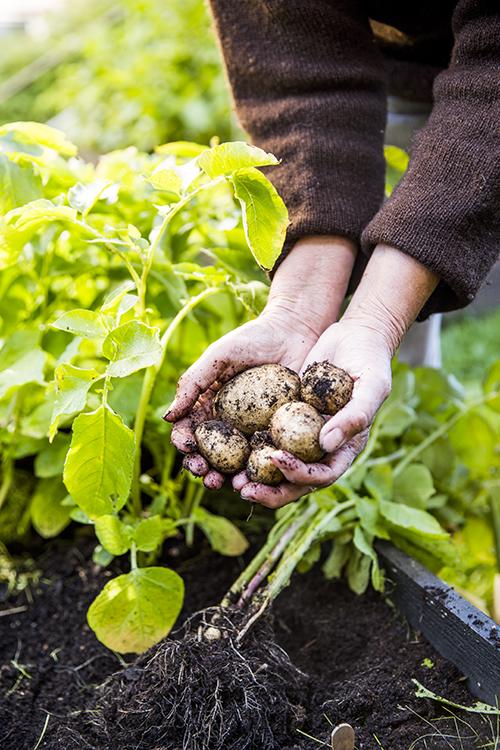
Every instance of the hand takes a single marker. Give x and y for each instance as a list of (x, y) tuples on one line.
[(300, 307), (390, 295), (365, 354)]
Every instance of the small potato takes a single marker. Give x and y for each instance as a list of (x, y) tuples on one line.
[(249, 400), (222, 445), (261, 469), (326, 387), (295, 428)]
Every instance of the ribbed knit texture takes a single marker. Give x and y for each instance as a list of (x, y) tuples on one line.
[(309, 84)]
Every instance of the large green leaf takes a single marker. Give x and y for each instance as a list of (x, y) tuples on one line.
[(130, 347), (113, 534), (414, 486), (223, 535), (149, 533), (18, 185), (474, 440), (85, 323), (48, 515), (412, 520), (41, 135), (98, 468), (72, 386), (265, 217), (18, 226), (227, 158), (136, 610), (28, 369)]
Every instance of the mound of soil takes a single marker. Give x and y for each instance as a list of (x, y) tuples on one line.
[(357, 656)]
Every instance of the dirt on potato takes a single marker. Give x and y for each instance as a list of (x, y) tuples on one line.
[(326, 387)]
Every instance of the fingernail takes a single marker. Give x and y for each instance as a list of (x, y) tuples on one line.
[(168, 414), (333, 440)]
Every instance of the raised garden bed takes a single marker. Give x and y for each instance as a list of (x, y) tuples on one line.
[(358, 655)]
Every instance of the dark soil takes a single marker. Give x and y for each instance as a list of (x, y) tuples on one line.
[(357, 656)]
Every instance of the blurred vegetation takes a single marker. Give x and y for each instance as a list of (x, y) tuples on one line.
[(112, 74), (471, 344)]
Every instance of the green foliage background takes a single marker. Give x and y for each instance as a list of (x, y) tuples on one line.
[(112, 74)]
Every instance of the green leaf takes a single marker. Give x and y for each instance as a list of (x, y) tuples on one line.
[(227, 158), (28, 369), (491, 385), (168, 181), (130, 347), (113, 534), (412, 520), (72, 386), (396, 164), (366, 548), (18, 185), (41, 135), (183, 149), (394, 418), (17, 227), (48, 515), (265, 217), (369, 517), (336, 560), (358, 571), (474, 441), (223, 535), (98, 468), (379, 482), (84, 197), (149, 533), (414, 486), (85, 323), (136, 610), (50, 461)]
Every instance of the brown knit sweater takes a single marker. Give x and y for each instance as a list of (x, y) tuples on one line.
[(310, 80)]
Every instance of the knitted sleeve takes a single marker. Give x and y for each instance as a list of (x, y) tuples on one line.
[(308, 85), (446, 210)]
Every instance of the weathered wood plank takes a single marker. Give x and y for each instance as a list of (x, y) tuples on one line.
[(458, 631)]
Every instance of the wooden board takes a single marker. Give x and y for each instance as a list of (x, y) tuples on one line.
[(458, 631)]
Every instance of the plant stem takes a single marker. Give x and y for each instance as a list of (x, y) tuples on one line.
[(194, 500), (133, 557), (442, 430), (148, 385)]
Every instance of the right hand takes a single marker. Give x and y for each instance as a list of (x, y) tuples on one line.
[(273, 338)]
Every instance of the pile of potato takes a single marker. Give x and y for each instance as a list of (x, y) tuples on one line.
[(270, 407)]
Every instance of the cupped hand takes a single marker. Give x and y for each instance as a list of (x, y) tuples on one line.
[(366, 355), (275, 337)]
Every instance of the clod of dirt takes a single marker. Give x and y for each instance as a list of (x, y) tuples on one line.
[(326, 387), (249, 400), (195, 693), (295, 428), (260, 467), (224, 447), (261, 438)]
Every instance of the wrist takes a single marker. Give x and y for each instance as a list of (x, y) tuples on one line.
[(391, 293), (310, 284)]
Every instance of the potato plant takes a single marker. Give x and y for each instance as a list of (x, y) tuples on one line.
[(114, 277)]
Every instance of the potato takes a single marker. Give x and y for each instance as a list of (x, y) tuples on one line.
[(224, 447), (249, 400), (326, 387), (261, 438), (295, 428), (261, 469)]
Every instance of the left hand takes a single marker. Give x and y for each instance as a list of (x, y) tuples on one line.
[(365, 353)]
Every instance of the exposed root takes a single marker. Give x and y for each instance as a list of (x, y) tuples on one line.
[(197, 693)]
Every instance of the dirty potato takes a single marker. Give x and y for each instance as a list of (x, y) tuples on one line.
[(326, 387), (295, 428), (260, 467), (224, 447)]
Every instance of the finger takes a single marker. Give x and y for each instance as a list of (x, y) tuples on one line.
[(240, 480), (196, 464), (197, 379), (182, 435), (300, 473), (213, 480), (369, 392), (272, 497)]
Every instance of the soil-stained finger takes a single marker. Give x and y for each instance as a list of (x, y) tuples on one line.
[(196, 464), (213, 480)]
